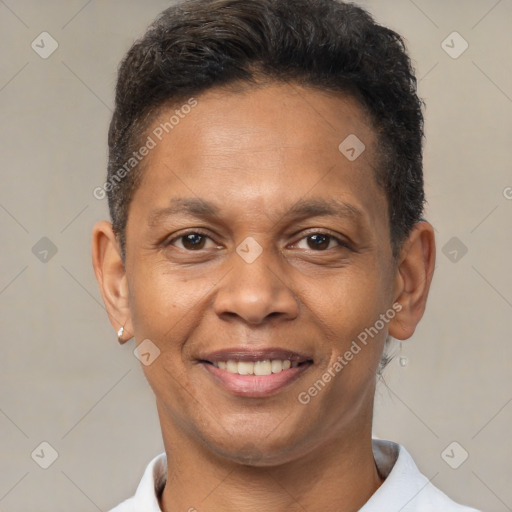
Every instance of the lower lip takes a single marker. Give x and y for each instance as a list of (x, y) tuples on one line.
[(255, 386)]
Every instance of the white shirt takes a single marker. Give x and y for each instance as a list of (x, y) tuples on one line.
[(405, 489)]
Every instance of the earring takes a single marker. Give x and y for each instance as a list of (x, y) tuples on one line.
[(403, 360), (120, 335)]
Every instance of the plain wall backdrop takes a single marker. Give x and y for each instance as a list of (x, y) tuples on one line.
[(65, 381)]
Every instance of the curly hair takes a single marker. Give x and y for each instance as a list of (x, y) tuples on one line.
[(330, 45)]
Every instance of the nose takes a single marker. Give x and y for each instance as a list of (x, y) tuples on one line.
[(255, 291)]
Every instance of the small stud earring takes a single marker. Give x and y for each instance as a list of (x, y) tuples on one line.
[(120, 335), (403, 360)]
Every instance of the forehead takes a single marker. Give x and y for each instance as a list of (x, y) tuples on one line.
[(263, 148), (268, 117)]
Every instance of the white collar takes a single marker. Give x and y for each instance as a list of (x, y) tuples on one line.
[(405, 489)]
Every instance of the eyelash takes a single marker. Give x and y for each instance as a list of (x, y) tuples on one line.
[(341, 243)]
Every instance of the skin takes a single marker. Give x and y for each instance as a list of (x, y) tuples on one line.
[(254, 154)]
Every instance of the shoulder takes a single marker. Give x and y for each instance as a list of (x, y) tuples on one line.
[(405, 488), (149, 489)]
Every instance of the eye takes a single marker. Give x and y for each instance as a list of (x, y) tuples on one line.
[(320, 242), (192, 241)]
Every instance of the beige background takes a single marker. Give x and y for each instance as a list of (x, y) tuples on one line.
[(64, 379)]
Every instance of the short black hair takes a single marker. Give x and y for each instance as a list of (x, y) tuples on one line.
[(330, 45)]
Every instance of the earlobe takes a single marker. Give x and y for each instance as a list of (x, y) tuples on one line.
[(415, 269), (111, 276)]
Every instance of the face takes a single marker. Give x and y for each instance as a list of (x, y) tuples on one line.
[(254, 244)]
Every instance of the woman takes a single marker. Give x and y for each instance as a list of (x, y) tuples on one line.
[(266, 194)]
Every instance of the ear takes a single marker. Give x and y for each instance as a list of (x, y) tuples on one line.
[(414, 272), (111, 275)]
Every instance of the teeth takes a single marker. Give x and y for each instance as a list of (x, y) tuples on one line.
[(245, 368), (262, 367), (277, 366), (232, 366), (265, 367)]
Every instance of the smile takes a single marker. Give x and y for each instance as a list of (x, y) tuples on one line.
[(266, 367), (255, 373)]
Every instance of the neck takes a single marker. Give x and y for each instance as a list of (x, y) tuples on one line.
[(338, 476)]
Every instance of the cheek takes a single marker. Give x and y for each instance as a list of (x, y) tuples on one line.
[(160, 299), (164, 309), (343, 387), (351, 302), (350, 312)]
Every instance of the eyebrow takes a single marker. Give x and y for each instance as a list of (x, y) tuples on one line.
[(184, 206), (320, 207), (304, 208)]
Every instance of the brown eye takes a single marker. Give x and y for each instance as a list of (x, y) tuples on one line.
[(191, 241), (319, 241)]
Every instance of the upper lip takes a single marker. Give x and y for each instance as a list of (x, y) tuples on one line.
[(255, 354)]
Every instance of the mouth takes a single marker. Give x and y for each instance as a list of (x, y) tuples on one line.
[(255, 373)]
